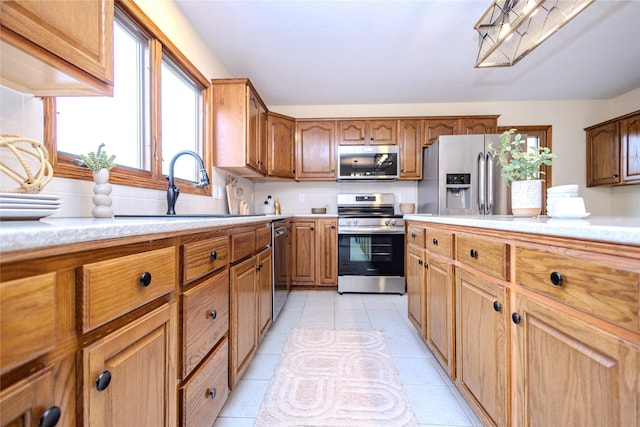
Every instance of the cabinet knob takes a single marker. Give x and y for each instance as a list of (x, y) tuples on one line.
[(214, 255), (258, 267), (615, 176), (426, 265), (103, 380), (516, 318), (50, 417), (473, 254), (213, 314), (372, 138), (435, 242), (556, 278), (403, 170), (413, 235), (420, 261), (211, 394), (497, 306), (333, 227), (145, 279)]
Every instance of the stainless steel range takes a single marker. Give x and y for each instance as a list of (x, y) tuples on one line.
[(370, 244)]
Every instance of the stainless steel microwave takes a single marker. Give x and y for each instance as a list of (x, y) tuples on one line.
[(368, 162)]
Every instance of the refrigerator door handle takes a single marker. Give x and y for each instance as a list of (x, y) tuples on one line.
[(489, 208), (481, 183)]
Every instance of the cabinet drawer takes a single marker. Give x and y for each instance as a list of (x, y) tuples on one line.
[(263, 237), (581, 279), (440, 242), (415, 235), (489, 256), (27, 319), (116, 286), (205, 393), (205, 319), (203, 257), (242, 245)]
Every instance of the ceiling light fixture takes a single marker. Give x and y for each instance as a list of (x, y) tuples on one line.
[(510, 29)]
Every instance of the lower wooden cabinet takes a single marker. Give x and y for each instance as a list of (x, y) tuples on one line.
[(303, 267), (315, 252), (130, 374), (415, 275), (265, 297), (30, 402), (438, 327), (571, 373), (482, 346)]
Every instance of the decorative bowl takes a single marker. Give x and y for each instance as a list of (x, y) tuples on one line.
[(407, 208)]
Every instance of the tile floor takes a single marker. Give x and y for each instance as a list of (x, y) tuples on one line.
[(435, 400)]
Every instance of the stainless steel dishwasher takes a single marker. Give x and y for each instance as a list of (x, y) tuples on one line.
[(281, 278)]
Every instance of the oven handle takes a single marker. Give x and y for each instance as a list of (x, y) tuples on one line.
[(369, 230)]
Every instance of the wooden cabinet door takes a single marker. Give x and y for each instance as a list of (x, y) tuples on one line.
[(352, 132), (572, 373), (434, 128), (383, 132), (79, 32), (243, 325), (482, 346), (477, 126), (327, 251), (263, 154), (30, 402), (316, 152), (265, 298), (630, 144), (415, 275), (253, 130), (439, 312), (410, 142), (281, 147), (140, 359), (304, 258), (603, 155)]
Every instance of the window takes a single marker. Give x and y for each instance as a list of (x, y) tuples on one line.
[(157, 110)]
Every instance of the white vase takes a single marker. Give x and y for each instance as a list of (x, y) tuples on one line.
[(526, 197), (101, 192)]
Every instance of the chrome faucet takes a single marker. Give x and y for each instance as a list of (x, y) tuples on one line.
[(173, 192)]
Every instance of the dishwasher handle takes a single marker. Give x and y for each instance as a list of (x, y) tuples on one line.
[(280, 231)]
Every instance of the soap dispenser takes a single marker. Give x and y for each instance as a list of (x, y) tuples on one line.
[(276, 207)]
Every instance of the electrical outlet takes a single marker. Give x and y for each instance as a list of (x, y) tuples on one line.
[(301, 198)]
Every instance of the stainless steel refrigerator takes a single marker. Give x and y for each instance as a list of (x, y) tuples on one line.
[(461, 177)]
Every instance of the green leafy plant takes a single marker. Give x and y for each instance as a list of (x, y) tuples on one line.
[(99, 161), (519, 163)]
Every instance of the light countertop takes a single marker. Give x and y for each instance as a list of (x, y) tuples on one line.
[(613, 229)]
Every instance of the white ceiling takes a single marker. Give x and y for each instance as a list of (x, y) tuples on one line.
[(317, 52)]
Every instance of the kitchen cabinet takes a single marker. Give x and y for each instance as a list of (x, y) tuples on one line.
[(367, 132), (613, 151), (327, 251), (250, 308), (410, 142), (57, 48), (31, 401), (281, 144), (130, 373), (437, 126), (477, 125), (415, 275), (315, 252), (316, 150), (239, 128)]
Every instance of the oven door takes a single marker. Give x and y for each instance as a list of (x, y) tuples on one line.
[(370, 254)]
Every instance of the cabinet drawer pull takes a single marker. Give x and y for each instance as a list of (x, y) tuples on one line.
[(473, 254), (50, 417), (214, 255), (516, 318), (103, 381), (435, 242), (213, 314), (497, 306), (145, 279), (211, 394), (556, 278)]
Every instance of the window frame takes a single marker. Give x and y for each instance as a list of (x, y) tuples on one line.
[(159, 46)]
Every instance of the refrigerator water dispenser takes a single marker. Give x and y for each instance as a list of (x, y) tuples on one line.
[(458, 189)]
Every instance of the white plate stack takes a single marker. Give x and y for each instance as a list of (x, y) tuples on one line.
[(564, 201), (25, 207)]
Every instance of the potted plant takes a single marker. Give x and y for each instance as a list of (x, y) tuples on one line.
[(521, 169), (100, 163)]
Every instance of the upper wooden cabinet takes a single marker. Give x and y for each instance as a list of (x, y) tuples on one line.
[(410, 142), (368, 132), (613, 151), (57, 48), (281, 146), (437, 126), (239, 128), (316, 150)]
